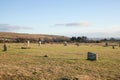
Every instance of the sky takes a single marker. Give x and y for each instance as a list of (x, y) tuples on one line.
[(91, 18)]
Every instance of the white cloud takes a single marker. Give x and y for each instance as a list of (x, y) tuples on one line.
[(110, 31), (9, 28), (80, 24)]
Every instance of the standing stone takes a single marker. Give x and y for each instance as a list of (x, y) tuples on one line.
[(77, 44), (28, 43), (4, 47), (39, 43), (65, 43), (91, 56), (119, 44), (106, 44), (113, 47)]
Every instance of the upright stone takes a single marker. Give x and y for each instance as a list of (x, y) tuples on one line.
[(4, 47), (65, 43), (77, 44), (28, 43), (119, 44), (91, 56), (39, 43), (106, 44), (113, 47)]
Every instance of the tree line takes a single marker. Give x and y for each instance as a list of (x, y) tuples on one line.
[(81, 39)]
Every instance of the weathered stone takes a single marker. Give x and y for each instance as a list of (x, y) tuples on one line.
[(91, 56), (64, 79), (106, 44), (45, 55), (4, 47), (65, 43), (39, 43), (119, 44), (28, 43), (113, 47), (77, 44)]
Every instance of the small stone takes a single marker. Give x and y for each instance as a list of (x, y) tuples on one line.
[(45, 55), (65, 43), (91, 56), (64, 79), (113, 47)]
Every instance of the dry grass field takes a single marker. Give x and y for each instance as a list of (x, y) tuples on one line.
[(62, 62)]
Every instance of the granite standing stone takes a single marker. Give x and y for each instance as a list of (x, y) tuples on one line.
[(28, 43), (91, 56), (4, 47), (65, 43), (39, 43)]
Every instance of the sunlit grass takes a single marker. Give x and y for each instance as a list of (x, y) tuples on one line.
[(62, 61)]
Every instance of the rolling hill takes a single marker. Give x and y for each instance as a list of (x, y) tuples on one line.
[(14, 36)]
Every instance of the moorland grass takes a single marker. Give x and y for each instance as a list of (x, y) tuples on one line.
[(62, 62)]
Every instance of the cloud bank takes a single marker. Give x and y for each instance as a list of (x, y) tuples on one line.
[(79, 24), (98, 32), (9, 28)]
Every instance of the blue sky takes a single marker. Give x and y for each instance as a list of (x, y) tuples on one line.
[(92, 18)]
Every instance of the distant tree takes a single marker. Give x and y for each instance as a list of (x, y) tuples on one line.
[(84, 38), (105, 39), (20, 40), (79, 39), (73, 39), (112, 39)]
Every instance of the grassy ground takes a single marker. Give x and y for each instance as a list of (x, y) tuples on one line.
[(62, 62)]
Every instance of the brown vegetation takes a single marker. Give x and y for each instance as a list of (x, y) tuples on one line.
[(21, 37)]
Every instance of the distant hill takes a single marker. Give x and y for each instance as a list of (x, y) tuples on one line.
[(14, 36)]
